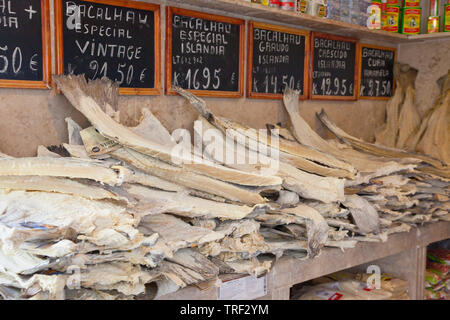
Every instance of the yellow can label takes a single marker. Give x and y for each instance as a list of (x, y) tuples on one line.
[(433, 24), (411, 21), (391, 18), (412, 3)]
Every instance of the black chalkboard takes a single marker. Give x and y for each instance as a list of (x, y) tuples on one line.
[(277, 58), (376, 75), (204, 53), (24, 43), (113, 38), (334, 67)]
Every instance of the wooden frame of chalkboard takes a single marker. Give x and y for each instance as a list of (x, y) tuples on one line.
[(195, 14), (155, 8), (311, 69), (361, 45), (45, 83), (305, 33)]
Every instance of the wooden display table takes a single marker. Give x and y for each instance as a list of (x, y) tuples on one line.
[(403, 255)]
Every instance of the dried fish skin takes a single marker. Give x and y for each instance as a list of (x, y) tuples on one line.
[(61, 167)]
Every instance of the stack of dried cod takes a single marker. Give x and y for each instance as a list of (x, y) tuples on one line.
[(406, 129), (116, 214)]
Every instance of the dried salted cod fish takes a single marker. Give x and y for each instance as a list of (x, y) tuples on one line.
[(309, 158), (180, 275), (161, 173), (436, 139), (157, 201), (61, 210), (323, 188), (250, 151), (4, 155), (283, 133), (372, 148), (391, 181), (311, 186), (388, 135), (61, 167), (124, 277), (176, 233), (316, 226), (76, 90), (237, 229), (306, 136), (8, 293), (89, 294), (53, 250), (413, 140), (363, 213), (409, 119), (341, 244), (186, 178), (441, 173), (149, 127), (192, 259), (74, 129), (300, 128), (16, 260), (287, 198), (109, 239), (148, 180), (253, 266), (52, 184), (76, 151), (51, 287), (328, 210), (371, 166), (231, 248), (308, 185), (213, 143), (43, 152)]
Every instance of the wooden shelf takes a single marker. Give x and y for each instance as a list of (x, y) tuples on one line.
[(431, 36), (289, 271), (257, 11)]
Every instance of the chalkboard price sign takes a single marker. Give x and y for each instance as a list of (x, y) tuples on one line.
[(117, 39), (376, 75), (334, 65), (277, 58), (25, 44), (204, 53)]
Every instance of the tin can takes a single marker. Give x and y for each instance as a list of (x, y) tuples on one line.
[(433, 24), (265, 2), (447, 18), (393, 2), (374, 21), (411, 3), (287, 5), (434, 8), (274, 3), (411, 20), (391, 18), (301, 6)]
